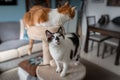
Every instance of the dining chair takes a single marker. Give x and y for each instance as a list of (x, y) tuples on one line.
[(95, 37), (112, 43)]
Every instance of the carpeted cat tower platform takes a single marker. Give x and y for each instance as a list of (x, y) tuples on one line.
[(75, 72)]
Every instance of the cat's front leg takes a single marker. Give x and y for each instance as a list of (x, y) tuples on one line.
[(58, 70), (31, 42), (65, 67)]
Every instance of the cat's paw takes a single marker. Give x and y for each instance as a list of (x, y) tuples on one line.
[(77, 63), (29, 52), (62, 74), (58, 70)]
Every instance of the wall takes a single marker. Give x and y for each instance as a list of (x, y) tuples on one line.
[(12, 13), (97, 9)]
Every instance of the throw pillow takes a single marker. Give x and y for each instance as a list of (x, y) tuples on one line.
[(116, 20), (23, 31)]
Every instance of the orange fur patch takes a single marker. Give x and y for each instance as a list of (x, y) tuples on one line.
[(37, 14), (66, 9)]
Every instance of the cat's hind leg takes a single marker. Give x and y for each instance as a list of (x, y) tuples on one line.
[(31, 42)]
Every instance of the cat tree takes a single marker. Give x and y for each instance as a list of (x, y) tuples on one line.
[(48, 72)]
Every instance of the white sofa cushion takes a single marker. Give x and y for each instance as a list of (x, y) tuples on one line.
[(21, 51), (12, 44), (8, 54), (24, 49)]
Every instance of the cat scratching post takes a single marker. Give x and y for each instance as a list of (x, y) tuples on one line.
[(49, 73), (46, 54)]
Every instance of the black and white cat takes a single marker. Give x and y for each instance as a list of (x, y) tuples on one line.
[(63, 48)]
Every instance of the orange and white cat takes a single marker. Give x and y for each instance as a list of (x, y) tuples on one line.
[(41, 16)]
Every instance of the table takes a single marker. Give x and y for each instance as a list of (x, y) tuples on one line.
[(109, 29)]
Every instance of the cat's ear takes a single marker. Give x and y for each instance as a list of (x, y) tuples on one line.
[(48, 34), (60, 30), (73, 8), (66, 3)]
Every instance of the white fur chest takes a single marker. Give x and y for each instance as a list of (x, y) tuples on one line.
[(54, 17), (62, 51), (57, 52)]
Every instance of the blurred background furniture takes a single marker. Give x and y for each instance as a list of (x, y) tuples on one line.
[(112, 43), (13, 49), (30, 3), (109, 29), (95, 37)]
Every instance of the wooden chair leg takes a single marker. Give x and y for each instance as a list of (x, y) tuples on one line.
[(92, 45), (117, 54), (98, 49), (111, 50), (104, 50)]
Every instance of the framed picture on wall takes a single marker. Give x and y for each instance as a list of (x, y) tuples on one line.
[(8, 2), (113, 2), (30, 3)]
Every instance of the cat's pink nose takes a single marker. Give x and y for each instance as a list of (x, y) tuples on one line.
[(57, 42)]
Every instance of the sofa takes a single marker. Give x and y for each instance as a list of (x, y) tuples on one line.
[(13, 48)]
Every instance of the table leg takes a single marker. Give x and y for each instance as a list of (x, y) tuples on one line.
[(86, 42), (118, 54)]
